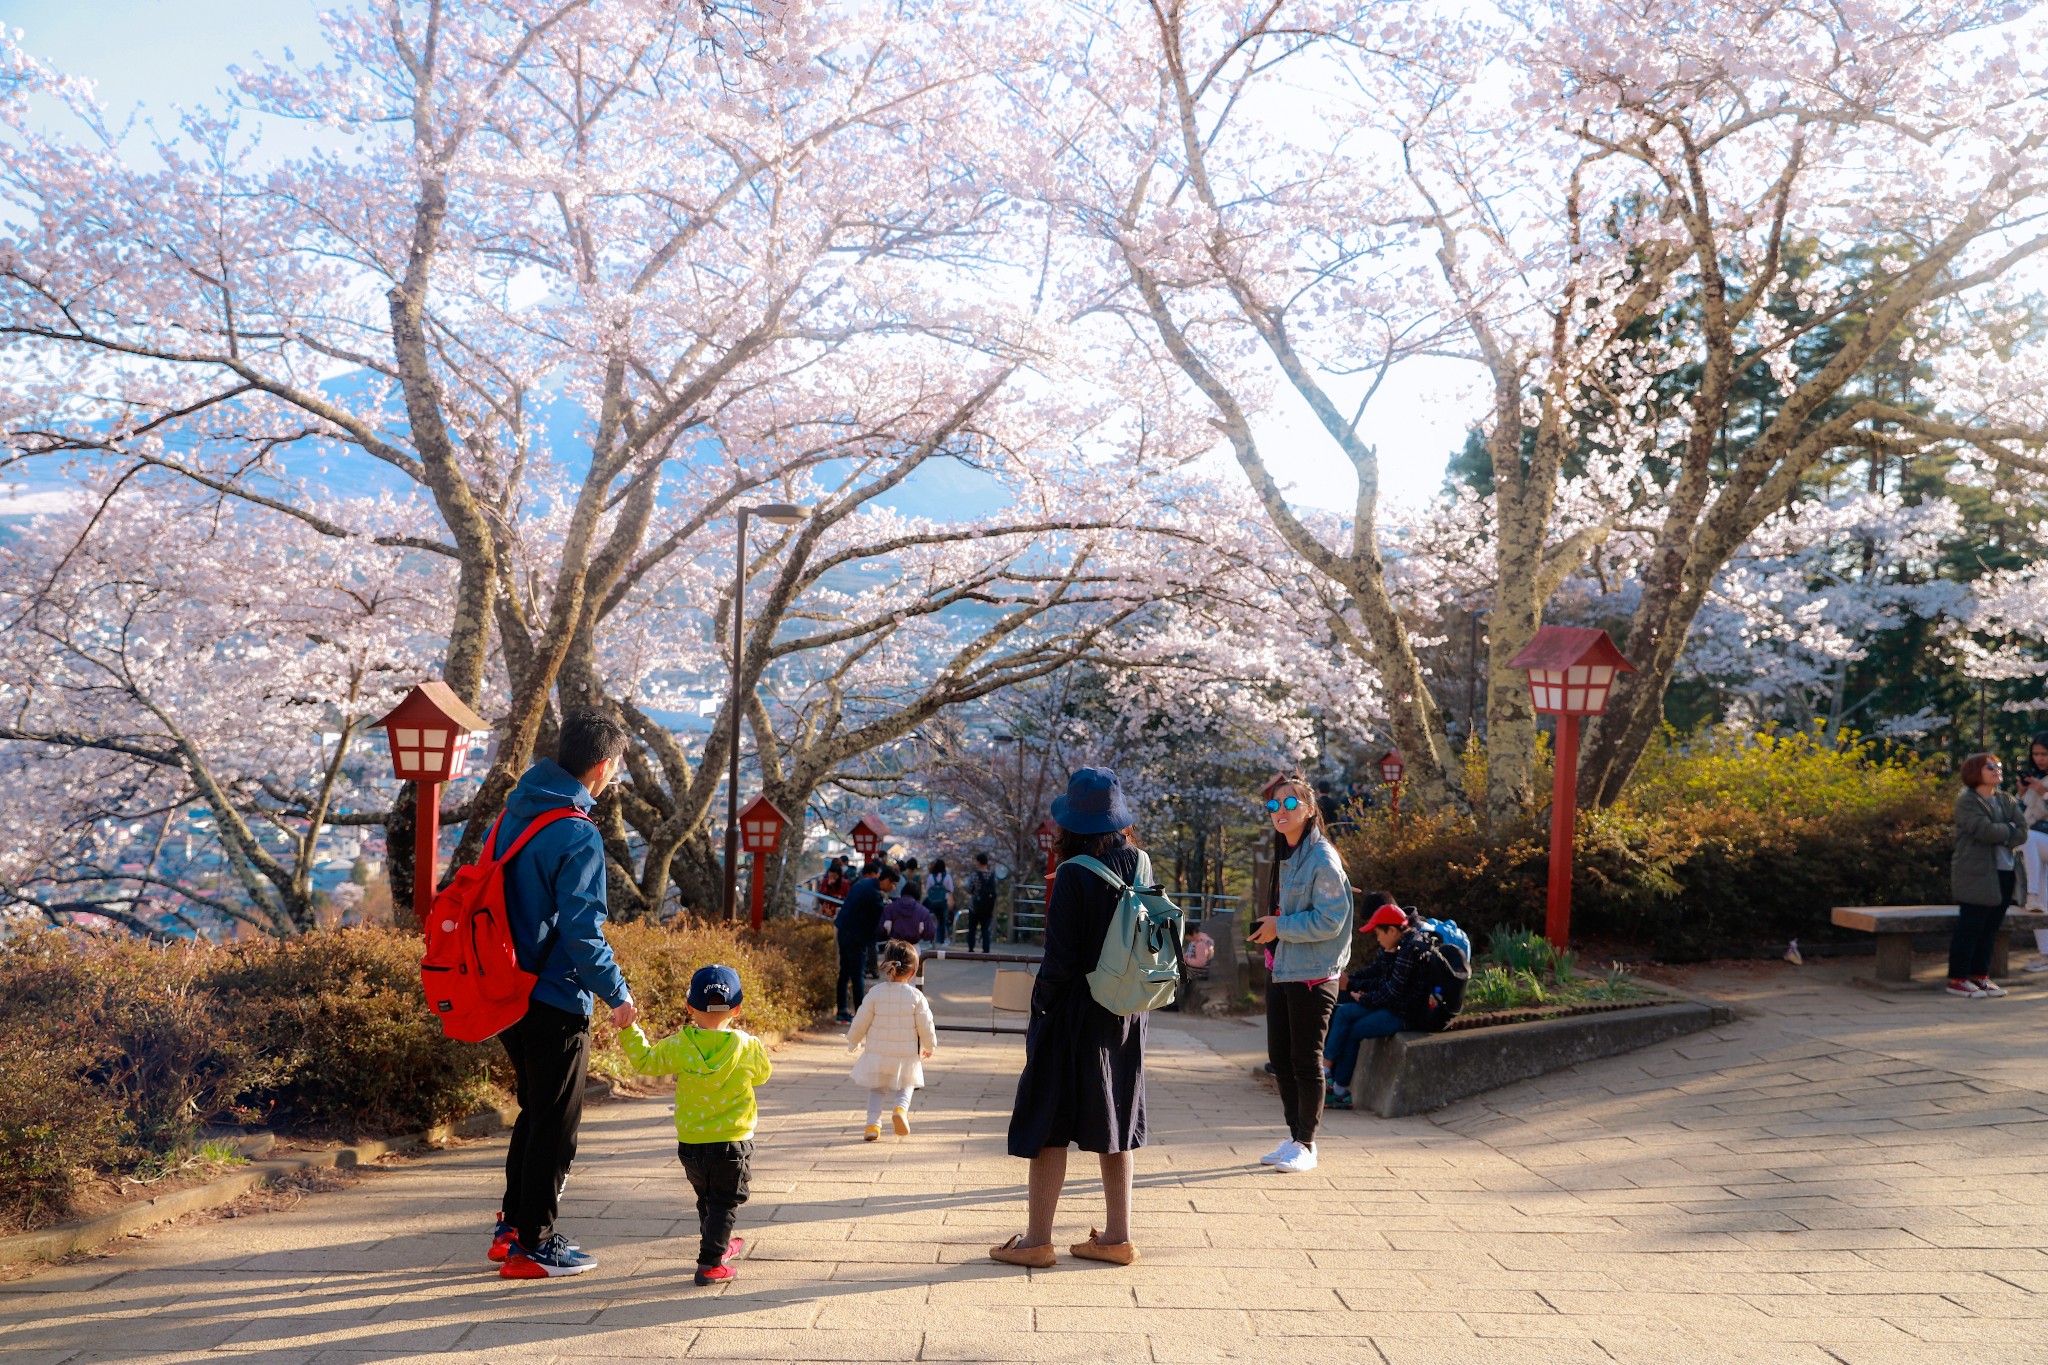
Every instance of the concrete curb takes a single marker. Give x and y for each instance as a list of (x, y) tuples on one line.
[(1413, 1073), (51, 1244)]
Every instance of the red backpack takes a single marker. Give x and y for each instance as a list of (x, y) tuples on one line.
[(471, 973)]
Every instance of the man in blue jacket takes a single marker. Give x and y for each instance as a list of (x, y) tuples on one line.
[(555, 903)]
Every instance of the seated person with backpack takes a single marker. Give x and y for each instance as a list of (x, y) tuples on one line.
[(1414, 983)]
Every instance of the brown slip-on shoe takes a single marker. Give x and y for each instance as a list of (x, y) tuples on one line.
[(1037, 1258), (1116, 1253)]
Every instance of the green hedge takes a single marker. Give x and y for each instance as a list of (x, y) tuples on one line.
[(1721, 843), (118, 1051)]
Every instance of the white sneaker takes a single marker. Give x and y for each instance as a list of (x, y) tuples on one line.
[(2039, 964), (1302, 1160), (1986, 986), (1284, 1152)]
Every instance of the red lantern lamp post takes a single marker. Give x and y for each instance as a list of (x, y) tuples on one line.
[(1391, 768), (428, 734), (1571, 671), (867, 835), (761, 826), (1048, 836)]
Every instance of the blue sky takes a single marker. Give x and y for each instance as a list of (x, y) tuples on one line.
[(160, 53)]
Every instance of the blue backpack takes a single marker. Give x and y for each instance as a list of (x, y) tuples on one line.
[(1446, 971), (1451, 934)]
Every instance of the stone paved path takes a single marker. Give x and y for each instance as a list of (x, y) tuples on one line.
[(1836, 1176)]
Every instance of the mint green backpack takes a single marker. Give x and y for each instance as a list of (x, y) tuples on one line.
[(1140, 964)]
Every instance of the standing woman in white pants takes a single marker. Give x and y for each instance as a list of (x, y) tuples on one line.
[(2033, 793)]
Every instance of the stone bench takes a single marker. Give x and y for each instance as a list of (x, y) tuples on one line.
[(1895, 925), (1413, 1073)]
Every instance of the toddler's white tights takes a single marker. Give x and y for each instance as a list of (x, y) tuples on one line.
[(881, 1102)]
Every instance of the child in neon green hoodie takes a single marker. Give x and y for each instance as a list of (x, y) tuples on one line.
[(716, 1067)]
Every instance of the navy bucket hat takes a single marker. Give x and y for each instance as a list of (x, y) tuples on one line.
[(1094, 803)]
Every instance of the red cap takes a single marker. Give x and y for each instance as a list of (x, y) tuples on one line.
[(1386, 915)]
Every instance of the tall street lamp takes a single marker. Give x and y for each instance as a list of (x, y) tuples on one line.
[(1023, 811), (781, 514), (1571, 670)]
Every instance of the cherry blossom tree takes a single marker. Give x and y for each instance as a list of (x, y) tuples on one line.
[(1619, 212), (1805, 600), (170, 660), (581, 277), (1772, 146), (1256, 245)]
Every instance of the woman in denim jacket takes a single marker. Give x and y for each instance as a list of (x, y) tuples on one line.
[(1309, 928)]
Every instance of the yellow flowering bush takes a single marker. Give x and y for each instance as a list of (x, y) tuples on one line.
[(1722, 842)]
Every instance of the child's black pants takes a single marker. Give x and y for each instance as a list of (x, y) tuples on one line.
[(719, 1172)]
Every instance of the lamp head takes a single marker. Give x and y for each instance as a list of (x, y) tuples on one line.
[(781, 513)]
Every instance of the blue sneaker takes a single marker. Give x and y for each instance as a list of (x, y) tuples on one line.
[(503, 1237), (556, 1256)]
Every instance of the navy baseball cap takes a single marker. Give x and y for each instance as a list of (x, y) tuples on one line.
[(715, 988)]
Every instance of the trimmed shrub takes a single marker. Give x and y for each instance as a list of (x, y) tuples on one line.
[(786, 976), (120, 1051), (350, 1044), (1721, 843), (54, 1123)]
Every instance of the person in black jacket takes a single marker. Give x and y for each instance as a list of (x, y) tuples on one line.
[(1383, 997), (981, 904), (855, 927), (1083, 1082)]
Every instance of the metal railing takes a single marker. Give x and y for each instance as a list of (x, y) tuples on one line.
[(1027, 910)]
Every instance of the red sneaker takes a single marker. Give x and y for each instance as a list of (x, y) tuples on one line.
[(717, 1274), (502, 1238)]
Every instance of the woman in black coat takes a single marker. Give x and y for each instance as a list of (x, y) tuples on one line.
[(1084, 1068)]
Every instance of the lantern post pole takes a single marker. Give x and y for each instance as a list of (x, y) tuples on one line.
[(426, 848), (1564, 804), (754, 896)]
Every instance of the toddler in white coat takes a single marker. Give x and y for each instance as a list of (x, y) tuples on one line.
[(895, 1022)]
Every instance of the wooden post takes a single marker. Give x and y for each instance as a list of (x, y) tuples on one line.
[(426, 848), (1564, 804)]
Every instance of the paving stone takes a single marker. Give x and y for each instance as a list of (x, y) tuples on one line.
[(1836, 1176)]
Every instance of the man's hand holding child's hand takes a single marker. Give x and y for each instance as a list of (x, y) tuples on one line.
[(623, 1015)]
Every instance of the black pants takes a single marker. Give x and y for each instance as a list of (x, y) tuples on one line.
[(719, 1172), (943, 916), (983, 923), (1297, 1021), (1977, 931), (550, 1052), (852, 972)]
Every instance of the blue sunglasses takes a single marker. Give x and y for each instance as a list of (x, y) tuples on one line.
[(1290, 803)]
